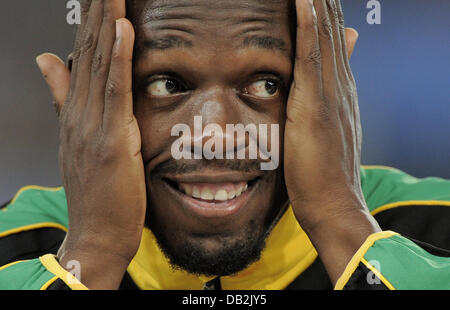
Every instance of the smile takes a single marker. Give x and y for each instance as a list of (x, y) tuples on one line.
[(214, 192), (213, 199)]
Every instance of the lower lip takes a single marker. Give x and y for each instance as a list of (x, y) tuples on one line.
[(213, 209)]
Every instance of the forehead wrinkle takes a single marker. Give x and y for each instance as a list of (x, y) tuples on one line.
[(184, 17), (185, 9), (255, 5)]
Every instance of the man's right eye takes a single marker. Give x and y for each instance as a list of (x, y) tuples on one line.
[(165, 87)]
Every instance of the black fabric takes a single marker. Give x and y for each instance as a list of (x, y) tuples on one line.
[(58, 285), (4, 205), (127, 283), (213, 285), (428, 224), (364, 279), (313, 278), (30, 244), (433, 250)]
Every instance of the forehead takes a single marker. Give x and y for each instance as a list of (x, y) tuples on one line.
[(212, 19), (215, 10)]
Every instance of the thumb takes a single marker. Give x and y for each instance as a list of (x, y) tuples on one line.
[(351, 36), (57, 76)]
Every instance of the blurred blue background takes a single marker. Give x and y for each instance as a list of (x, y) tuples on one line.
[(402, 68)]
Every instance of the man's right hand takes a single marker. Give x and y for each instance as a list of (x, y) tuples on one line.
[(100, 145)]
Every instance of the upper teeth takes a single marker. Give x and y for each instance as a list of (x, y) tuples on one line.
[(218, 194)]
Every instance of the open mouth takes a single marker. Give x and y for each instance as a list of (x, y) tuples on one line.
[(208, 199)]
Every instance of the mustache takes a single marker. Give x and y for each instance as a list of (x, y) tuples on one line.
[(187, 166)]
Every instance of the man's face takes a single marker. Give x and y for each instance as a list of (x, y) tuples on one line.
[(228, 61)]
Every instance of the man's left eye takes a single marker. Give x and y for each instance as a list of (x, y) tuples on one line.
[(263, 89)]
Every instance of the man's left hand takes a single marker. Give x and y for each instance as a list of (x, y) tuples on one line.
[(323, 137)]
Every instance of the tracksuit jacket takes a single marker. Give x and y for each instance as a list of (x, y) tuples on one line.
[(412, 251)]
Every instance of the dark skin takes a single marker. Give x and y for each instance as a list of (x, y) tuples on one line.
[(115, 126), (215, 90)]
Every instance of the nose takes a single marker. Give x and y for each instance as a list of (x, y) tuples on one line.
[(215, 111)]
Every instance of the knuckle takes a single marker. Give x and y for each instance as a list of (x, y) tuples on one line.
[(341, 21), (313, 57), (69, 126), (98, 64), (326, 29), (339, 17), (76, 52), (341, 29), (111, 90), (87, 43), (87, 133), (110, 145), (85, 5), (103, 150), (119, 58)]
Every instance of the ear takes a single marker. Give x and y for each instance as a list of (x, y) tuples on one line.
[(351, 36)]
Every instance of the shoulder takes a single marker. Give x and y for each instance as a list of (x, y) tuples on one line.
[(385, 188), (34, 205), (34, 222), (418, 208)]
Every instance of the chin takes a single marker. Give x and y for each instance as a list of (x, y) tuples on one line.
[(216, 254), (212, 221)]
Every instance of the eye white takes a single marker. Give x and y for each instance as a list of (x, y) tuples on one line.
[(162, 88), (263, 89)]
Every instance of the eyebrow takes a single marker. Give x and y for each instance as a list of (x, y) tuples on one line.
[(262, 42)]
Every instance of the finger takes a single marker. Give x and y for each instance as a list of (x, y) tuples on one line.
[(113, 10), (348, 40), (351, 37), (118, 95), (339, 46), (73, 59), (57, 76), (347, 43), (307, 83), (88, 45), (308, 62), (326, 42)]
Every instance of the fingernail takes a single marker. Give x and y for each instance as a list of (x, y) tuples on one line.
[(118, 29), (38, 60), (39, 63)]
